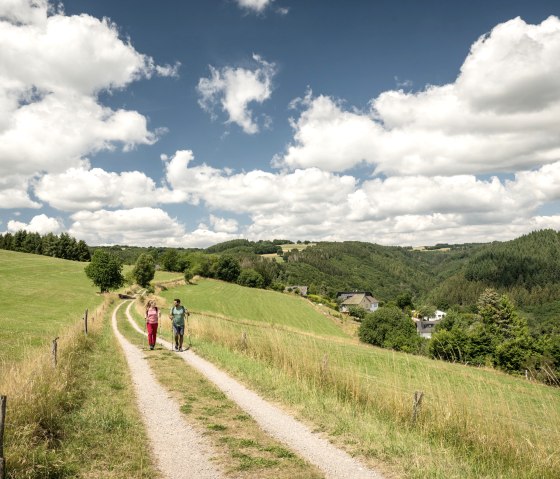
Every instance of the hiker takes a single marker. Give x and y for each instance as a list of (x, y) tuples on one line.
[(152, 318), (177, 315)]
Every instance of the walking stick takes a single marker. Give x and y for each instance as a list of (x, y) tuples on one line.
[(189, 329)]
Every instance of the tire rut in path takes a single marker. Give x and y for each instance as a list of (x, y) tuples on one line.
[(180, 451), (332, 461)]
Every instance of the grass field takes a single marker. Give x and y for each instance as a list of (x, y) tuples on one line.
[(255, 305), (474, 423), (40, 297)]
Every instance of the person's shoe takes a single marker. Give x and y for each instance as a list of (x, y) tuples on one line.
[(181, 350), (151, 348), (176, 348)]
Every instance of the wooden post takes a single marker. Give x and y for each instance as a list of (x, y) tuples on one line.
[(3, 400), (244, 341), (418, 395), (54, 349), (85, 321)]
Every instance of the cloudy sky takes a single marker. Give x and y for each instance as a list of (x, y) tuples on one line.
[(188, 123)]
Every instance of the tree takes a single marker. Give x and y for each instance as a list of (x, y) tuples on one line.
[(144, 270), (105, 271), (250, 278), (169, 260), (389, 327), (228, 269)]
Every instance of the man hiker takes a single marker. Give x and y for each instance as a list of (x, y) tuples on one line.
[(177, 315)]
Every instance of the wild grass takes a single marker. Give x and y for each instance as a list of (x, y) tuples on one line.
[(241, 447), (254, 305), (472, 423), (41, 296), (78, 419)]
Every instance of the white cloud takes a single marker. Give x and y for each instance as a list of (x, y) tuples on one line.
[(501, 115), (141, 227), (314, 204), (224, 225), (50, 114), (234, 89), (82, 189), (256, 5), (41, 224)]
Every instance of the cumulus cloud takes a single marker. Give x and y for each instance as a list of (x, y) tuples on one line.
[(234, 89), (224, 225), (41, 224), (90, 189), (141, 227), (50, 113), (315, 204), (500, 115)]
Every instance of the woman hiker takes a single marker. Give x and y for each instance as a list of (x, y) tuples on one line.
[(177, 315), (152, 318)]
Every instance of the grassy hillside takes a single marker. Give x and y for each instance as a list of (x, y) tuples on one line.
[(474, 423), (257, 305), (40, 297), (87, 402)]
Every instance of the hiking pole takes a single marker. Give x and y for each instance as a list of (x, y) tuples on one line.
[(172, 336), (189, 330)]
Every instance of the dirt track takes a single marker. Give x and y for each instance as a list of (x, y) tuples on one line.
[(333, 462)]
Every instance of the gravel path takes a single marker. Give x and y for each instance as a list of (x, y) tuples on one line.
[(179, 450), (335, 463)]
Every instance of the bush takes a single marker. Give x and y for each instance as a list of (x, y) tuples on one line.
[(250, 278), (389, 327)]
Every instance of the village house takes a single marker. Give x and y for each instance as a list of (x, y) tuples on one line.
[(362, 299), (425, 325)]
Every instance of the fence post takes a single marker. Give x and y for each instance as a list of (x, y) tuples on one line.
[(54, 349), (244, 345), (3, 400), (85, 321), (418, 395)]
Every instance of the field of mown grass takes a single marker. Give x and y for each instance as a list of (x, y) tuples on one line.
[(254, 305), (473, 423), (40, 297)]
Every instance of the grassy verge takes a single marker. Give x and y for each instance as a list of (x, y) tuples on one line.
[(78, 420), (473, 423), (243, 449)]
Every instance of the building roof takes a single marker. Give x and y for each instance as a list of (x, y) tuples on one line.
[(358, 298)]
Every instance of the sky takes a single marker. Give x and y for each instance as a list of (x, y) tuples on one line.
[(188, 123)]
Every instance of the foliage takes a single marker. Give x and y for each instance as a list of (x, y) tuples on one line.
[(251, 278), (357, 312), (63, 246), (389, 328), (105, 271), (496, 336), (227, 268), (144, 270)]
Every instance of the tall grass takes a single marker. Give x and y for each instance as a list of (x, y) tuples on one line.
[(510, 427), (78, 419)]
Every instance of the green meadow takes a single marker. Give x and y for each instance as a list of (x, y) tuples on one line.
[(40, 297), (473, 422), (267, 308)]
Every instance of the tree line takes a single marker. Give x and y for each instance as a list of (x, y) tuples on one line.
[(57, 246)]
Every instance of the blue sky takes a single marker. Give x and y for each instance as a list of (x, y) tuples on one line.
[(190, 123)]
